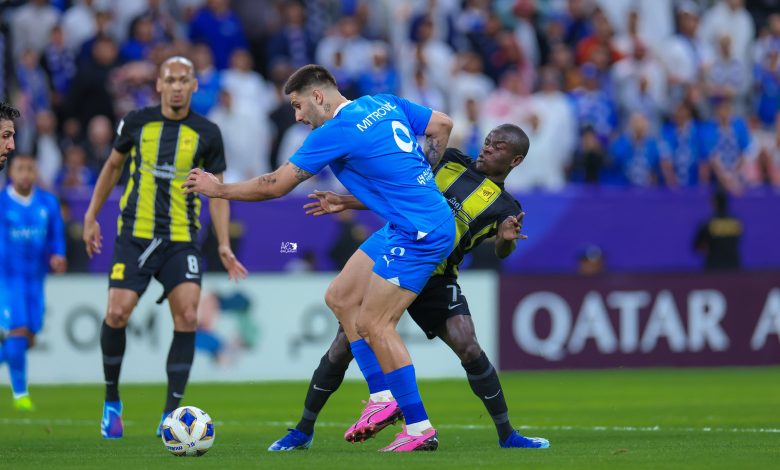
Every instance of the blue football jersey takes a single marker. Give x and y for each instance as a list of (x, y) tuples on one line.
[(30, 231), (371, 147)]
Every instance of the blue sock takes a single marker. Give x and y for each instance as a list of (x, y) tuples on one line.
[(369, 366), (16, 354), (403, 385)]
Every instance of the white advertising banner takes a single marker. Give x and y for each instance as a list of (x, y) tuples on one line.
[(268, 327)]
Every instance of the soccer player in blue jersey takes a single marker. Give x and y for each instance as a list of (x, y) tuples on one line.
[(370, 145), (7, 145), (474, 188), (32, 241)]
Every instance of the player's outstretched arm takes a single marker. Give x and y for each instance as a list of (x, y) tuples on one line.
[(508, 234), (220, 218), (437, 133), (268, 186), (328, 202), (107, 180)]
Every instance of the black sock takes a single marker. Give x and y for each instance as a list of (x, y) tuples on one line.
[(112, 344), (485, 384), (180, 358), (326, 379)]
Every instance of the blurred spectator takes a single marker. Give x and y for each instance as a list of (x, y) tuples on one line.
[(640, 83), (133, 86), (767, 87), (718, 238), (247, 139), (47, 149), (32, 82), (729, 18), (59, 63), (590, 261), (528, 31), (31, 25), (728, 77), (593, 106), (351, 234), (99, 143), (218, 26), (726, 141), (510, 102), (468, 130), (577, 19), (685, 55), (434, 56), (762, 164), (89, 93), (635, 154), (164, 26), (600, 38), (682, 153), (589, 159), (140, 42), (381, 76), (123, 13), (769, 40), (103, 23), (654, 19), (421, 91), (468, 82), (292, 43), (345, 40), (79, 24), (256, 95), (209, 80), (75, 175)]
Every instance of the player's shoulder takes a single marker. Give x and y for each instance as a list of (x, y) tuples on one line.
[(201, 123), (46, 196), (454, 155), (509, 203)]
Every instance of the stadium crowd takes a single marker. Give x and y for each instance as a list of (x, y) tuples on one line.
[(614, 92)]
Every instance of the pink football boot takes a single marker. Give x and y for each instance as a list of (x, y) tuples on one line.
[(375, 417)]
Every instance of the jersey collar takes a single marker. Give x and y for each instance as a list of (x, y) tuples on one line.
[(336, 112)]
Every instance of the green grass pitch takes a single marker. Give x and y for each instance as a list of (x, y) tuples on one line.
[(656, 418)]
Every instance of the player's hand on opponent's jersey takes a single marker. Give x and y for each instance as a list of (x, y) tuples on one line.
[(510, 228), (203, 182), (234, 268), (327, 202), (91, 236), (58, 264)]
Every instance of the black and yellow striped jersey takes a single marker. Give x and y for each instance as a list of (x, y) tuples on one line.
[(162, 152), (478, 204)]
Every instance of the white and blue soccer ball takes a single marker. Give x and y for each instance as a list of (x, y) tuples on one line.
[(188, 431)]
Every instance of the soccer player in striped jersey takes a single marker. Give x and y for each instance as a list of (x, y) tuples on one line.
[(475, 192), (158, 227)]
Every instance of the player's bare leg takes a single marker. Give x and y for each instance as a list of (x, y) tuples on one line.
[(382, 307), (345, 292), (121, 303), (183, 301), (344, 297)]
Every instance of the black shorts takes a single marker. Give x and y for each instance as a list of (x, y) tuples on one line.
[(439, 300), (136, 260)]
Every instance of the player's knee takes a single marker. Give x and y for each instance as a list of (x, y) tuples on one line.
[(339, 352), (117, 316), (338, 300), (186, 320), (468, 351)]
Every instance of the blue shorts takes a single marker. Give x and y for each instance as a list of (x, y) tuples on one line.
[(406, 262), (22, 303)]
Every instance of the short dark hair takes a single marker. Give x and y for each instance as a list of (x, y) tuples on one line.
[(519, 141), (309, 75), (8, 112)]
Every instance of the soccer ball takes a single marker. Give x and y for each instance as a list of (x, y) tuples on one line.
[(188, 431)]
